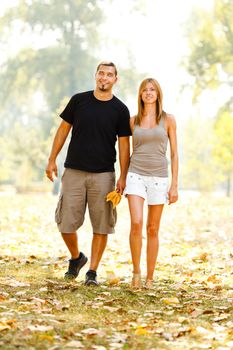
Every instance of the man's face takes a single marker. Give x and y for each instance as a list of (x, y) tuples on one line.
[(105, 78)]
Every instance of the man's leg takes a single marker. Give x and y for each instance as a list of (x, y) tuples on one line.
[(102, 218), (78, 259), (71, 241), (70, 216), (99, 242)]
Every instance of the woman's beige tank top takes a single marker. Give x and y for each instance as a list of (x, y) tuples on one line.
[(149, 151)]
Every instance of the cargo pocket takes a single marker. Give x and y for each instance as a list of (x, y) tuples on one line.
[(112, 216), (58, 211)]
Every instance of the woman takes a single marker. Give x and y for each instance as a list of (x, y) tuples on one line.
[(148, 174)]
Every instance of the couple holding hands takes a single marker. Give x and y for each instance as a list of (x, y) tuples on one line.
[(97, 119)]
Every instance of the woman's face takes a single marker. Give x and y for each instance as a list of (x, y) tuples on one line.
[(149, 93)]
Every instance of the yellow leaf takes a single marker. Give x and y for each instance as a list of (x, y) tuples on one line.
[(141, 331), (203, 256), (8, 324), (170, 301), (46, 337), (112, 278), (213, 279), (4, 326), (114, 281)]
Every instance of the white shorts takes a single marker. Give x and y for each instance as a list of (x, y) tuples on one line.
[(152, 188)]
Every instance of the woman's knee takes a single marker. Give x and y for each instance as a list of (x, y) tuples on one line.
[(152, 230), (136, 228)]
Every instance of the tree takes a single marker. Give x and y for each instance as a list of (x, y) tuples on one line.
[(61, 66), (210, 63), (210, 38), (58, 61)]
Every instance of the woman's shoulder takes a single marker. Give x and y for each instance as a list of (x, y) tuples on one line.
[(169, 118)]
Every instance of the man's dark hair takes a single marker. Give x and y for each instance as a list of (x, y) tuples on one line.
[(108, 64)]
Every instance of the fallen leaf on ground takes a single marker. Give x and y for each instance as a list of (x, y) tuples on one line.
[(112, 279), (170, 301), (4, 326), (75, 344), (93, 331), (39, 328), (141, 331), (46, 337), (201, 258)]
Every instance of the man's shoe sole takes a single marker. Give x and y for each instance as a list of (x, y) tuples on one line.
[(69, 277), (91, 283)]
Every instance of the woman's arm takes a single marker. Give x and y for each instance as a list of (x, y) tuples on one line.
[(131, 124), (171, 130)]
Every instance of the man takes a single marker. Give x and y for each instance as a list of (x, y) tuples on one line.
[(96, 118)]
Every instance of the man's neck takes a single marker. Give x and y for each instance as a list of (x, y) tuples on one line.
[(103, 95)]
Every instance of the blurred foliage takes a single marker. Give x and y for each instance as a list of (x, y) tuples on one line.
[(23, 155), (207, 157), (60, 60), (210, 38), (60, 68), (223, 147), (197, 162), (210, 63)]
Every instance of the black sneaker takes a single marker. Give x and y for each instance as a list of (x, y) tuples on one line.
[(91, 278), (75, 266)]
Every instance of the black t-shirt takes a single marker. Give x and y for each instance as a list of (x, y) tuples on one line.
[(96, 125)]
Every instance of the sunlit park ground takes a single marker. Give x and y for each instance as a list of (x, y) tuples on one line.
[(190, 307)]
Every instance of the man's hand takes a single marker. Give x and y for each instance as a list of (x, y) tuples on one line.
[(51, 168), (120, 185)]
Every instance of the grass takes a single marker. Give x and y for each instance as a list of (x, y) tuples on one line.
[(190, 306)]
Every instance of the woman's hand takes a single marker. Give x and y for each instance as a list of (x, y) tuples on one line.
[(172, 195)]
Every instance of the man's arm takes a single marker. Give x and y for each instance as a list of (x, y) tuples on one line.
[(58, 142), (124, 153)]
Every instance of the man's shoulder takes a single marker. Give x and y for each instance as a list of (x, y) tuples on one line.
[(82, 95), (120, 104)]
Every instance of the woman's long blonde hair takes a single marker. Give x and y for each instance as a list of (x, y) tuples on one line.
[(158, 105)]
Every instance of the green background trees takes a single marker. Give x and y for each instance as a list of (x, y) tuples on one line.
[(51, 51), (56, 56), (210, 63)]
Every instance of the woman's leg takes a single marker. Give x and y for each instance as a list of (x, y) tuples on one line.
[(135, 238), (152, 227)]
